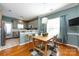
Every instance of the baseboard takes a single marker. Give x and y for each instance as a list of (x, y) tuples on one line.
[(6, 47), (25, 43), (22, 43)]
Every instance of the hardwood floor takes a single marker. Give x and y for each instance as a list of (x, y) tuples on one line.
[(22, 50), (10, 43), (68, 50)]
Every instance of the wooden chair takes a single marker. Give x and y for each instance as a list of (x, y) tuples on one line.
[(52, 46)]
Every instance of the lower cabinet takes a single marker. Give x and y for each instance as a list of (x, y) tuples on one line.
[(23, 38), (15, 34)]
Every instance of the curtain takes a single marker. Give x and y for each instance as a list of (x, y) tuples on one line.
[(42, 28), (63, 29), (39, 25)]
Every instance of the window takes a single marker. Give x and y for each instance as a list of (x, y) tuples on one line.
[(53, 26), (20, 26)]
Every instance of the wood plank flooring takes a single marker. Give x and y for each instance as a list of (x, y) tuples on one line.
[(22, 50), (10, 43)]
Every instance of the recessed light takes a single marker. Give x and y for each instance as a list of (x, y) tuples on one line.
[(9, 10), (51, 9), (21, 16)]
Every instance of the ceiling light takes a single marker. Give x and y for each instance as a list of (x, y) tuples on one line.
[(51, 9), (9, 10), (20, 16)]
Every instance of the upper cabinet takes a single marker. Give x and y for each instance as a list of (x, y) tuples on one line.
[(34, 24)]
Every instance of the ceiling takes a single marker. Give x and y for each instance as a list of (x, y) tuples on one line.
[(27, 11)]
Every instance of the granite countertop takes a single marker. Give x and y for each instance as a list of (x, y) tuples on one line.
[(28, 32), (14, 30), (23, 30)]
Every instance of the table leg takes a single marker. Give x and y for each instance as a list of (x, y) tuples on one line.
[(33, 43), (46, 49)]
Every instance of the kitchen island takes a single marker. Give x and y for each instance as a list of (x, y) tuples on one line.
[(23, 38)]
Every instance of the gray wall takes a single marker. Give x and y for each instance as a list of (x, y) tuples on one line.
[(0, 27), (70, 13), (6, 19), (11, 20)]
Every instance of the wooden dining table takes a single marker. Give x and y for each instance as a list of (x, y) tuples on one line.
[(43, 40)]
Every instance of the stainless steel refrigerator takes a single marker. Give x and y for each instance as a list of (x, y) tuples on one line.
[(2, 34), (8, 29)]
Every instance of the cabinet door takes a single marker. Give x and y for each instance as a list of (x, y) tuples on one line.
[(15, 34), (72, 39)]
